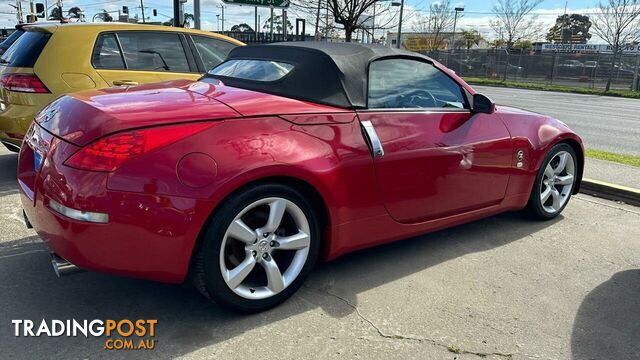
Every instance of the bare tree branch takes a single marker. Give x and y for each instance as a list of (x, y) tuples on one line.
[(617, 22), (512, 21)]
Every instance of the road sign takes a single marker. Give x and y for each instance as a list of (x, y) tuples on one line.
[(268, 3)]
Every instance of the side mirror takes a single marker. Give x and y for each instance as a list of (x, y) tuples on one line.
[(482, 104)]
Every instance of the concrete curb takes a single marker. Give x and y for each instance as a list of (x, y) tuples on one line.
[(610, 191)]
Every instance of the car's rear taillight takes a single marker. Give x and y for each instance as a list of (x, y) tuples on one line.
[(109, 153), (29, 83)]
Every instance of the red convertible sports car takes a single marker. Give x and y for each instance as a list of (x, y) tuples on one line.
[(283, 155)]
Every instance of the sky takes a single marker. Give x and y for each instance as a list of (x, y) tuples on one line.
[(476, 15)]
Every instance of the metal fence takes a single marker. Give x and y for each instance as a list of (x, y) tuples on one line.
[(582, 70), (264, 37)]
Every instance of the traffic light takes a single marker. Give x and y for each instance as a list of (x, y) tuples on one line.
[(155, 12), (125, 10), (40, 10)]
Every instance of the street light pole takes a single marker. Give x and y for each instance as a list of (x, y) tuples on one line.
[(142, 7), (455, 20), (400, 22), (176, 13), (196, 14)]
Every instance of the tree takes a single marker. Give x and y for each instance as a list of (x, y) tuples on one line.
[(570, 29), (513, 22), (351, 14), (470, 38), (617, 22), (277, 25), (347, 15), (523, 46), (242, 28), (435, 25), (104, 16), (75, 13), (497, 44)]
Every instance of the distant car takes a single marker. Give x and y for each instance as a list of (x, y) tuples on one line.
[(590, 64), (499, 68), (51, 59), (282, 155), (572, 64)]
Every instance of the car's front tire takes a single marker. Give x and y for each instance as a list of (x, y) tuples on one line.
[(554, 183), (258, 248)]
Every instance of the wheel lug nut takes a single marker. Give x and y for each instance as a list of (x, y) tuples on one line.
[(265, 234), (272, 244), (254, 253), (265, 256)]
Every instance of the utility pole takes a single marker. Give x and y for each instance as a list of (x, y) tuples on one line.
[(284, 24), (196, 14), (222, 7), (271, 21), (18, 7), (142, 7), (564, 22), (318, 18), (255, 15), (400, 24), (326, 22), (373, 24), (176, 13), (455, 20)]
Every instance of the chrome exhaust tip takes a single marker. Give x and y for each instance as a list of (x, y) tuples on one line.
[(62, 267)]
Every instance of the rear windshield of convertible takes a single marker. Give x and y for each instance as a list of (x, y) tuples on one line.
[(256, 70)]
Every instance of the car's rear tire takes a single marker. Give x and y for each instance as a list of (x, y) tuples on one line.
[(554, 183), (259, 246)]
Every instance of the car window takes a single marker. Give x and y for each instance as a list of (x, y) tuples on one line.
[(403, 83), (153, 51), (25, 51), (11, 39), (256, 70), (212, 51), (106, 54)]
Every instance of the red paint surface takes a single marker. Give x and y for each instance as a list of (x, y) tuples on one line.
[(439, 170)]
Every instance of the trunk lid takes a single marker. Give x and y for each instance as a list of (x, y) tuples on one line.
[(82, 117)]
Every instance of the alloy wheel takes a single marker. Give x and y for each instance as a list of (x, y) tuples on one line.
[(557, 182), (265, 248)]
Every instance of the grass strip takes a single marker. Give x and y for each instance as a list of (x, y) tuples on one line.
[(560, 88), (618, 158)]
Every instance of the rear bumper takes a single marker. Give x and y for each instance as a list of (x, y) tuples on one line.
[(155, 246), (147, 236)]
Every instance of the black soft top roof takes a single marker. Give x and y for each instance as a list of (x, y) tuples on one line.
[(326, 73)]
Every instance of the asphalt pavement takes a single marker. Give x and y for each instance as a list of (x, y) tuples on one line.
[(501, 288), (604, 122)]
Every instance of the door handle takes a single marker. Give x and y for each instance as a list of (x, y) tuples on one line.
[(374, 140), (124, 82)]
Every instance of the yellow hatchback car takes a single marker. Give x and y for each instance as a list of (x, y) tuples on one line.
[(52, 59)]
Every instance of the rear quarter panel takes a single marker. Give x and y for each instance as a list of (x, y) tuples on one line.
[(333, 158)]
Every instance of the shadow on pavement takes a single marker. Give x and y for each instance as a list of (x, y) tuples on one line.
[(186, 321), (607, 325), (8, 166)]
